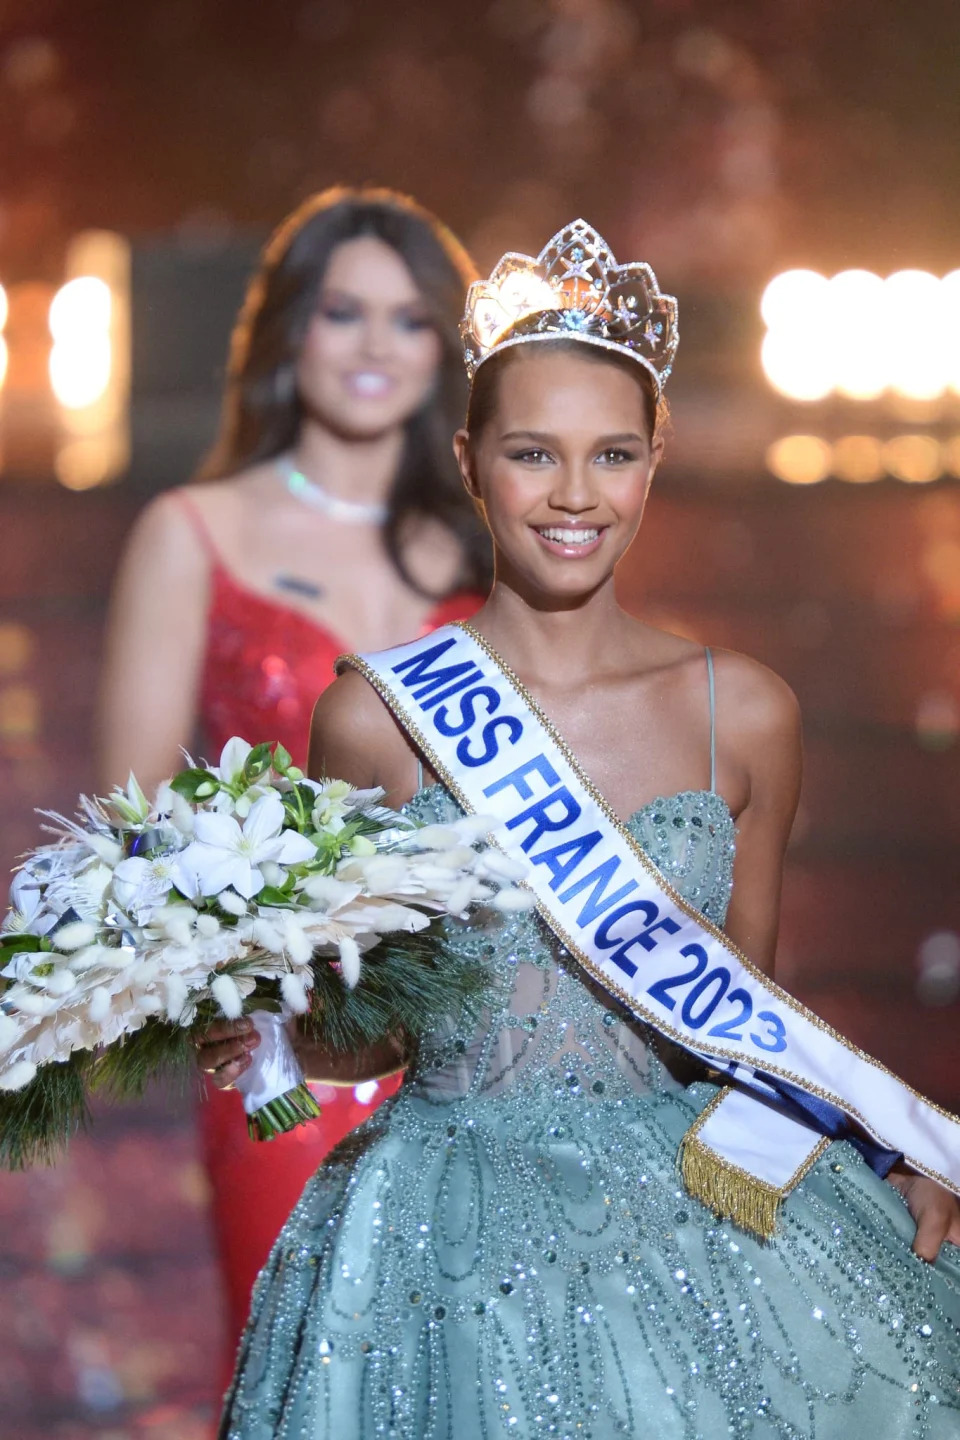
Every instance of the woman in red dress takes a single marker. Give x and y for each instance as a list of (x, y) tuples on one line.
[(329, 518)]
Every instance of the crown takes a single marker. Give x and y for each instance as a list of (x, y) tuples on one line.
[(573, 290)]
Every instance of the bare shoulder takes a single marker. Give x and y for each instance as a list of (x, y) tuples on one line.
[(757, 700), (353, 736), (165, 538)]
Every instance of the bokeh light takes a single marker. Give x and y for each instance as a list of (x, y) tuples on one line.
[(856, 302), (89, 460), (4, 353), (860, 336), (918, 343), (951, 456), (937, 721), (80, 361), (80, 308), (914, 459), (858, 459), (791, 299), (799, 459), (938, 968)]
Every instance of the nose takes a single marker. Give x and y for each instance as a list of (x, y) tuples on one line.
[(377, 338), (574, 491)]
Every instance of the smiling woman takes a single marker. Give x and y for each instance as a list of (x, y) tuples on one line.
[(329, 515), (515, 1214)]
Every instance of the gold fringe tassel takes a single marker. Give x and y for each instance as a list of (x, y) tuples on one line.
[(731, 1193)]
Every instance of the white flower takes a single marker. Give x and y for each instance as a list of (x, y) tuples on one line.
[(175, 808), (140, 884), (233, 757), (131, 805), (226, 855)]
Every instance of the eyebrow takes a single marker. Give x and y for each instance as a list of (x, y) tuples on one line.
[(336, 292), (541, 437)]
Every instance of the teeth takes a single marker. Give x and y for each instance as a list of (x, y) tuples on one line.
[(370, 383), (569, 537)]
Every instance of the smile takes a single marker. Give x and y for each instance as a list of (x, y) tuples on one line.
[(570, 540), (369, 383)]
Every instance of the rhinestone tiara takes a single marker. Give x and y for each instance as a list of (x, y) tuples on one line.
[(573, 290)]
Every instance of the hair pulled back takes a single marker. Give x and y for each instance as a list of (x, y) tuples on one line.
[(482, 401)]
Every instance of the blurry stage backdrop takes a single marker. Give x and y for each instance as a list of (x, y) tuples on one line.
[(808, 511)]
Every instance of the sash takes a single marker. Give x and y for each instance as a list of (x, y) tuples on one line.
[(792, 1082)]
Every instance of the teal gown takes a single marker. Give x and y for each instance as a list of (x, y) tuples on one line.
[(504, 1249)]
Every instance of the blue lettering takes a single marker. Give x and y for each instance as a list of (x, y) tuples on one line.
[(472, 676), (598, 901), (420, 673), (578, 850), (539, 813), (468, 710), (643, 938), (518, 778), (491, 744)]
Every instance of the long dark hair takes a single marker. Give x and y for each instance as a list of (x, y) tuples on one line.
[(262, 411)]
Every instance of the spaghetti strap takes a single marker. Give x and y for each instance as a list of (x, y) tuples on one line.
[(711, 685), (199, 524), (419, 773)]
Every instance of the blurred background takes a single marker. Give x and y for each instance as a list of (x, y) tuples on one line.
[(790, 168)]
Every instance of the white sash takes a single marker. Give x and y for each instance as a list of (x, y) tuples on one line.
[(485, 738)]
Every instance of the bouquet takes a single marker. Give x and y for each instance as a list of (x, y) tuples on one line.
[(242, 888)]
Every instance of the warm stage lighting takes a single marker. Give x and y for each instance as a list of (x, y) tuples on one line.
[(799, 459), (914, 459), (4, 353), (858, 459), (856, 300), (859, 335), (80, 360), (80, 307), (80, 373)]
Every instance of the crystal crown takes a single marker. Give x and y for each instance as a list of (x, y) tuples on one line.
[(573, 290)]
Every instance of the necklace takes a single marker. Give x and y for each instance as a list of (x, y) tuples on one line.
[(348, 512)]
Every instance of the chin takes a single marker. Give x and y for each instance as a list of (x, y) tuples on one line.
[(361, 420)]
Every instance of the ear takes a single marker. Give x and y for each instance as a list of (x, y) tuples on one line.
[(466, 463), (656, 455)]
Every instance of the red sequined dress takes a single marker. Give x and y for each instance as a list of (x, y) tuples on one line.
[(264, 666)]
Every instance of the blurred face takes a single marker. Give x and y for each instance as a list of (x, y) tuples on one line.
[(371, 353), (562, 469)]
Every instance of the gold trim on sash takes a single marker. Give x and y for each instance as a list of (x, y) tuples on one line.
[(730, 1191), (716, 1175)]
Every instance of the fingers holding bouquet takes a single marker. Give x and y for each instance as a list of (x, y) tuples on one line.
[(224, 1050)]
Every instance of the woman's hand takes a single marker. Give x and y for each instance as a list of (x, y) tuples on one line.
[(934, 1208), (223, 1050)]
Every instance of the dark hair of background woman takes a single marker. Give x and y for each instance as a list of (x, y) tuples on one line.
[(262, 409)]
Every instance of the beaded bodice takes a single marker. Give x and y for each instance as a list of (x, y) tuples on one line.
[(546, 1022)]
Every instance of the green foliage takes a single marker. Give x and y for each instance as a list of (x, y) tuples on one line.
[(195, 784), (409, 985), (157, 1051), (37, 1121)]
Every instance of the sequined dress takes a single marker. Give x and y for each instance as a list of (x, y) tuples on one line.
[(264, 665), (504, 1248)]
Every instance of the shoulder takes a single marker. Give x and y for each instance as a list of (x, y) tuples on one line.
[(353, 735), (351, 700), (754, 698)]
